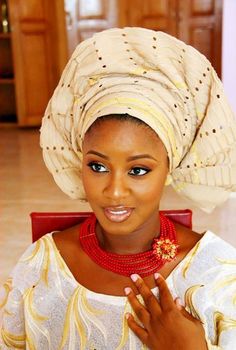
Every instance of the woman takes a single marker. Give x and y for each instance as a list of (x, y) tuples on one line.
[(134, 109)]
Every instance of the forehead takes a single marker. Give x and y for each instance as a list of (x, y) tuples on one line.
[(119, 128), (122, 135)]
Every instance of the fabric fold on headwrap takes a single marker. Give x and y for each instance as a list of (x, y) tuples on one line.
[(162, 81)]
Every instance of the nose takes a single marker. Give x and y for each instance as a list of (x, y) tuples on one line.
[(117, 187)]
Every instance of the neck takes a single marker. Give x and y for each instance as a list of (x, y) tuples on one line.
[(137, 241)]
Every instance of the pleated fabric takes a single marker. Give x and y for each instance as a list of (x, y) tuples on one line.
[(162, 81)]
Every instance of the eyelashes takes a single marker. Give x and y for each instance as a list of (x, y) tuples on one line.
[(97, 167), (134, 171), (139, 171)]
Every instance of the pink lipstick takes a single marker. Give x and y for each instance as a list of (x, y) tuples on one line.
[(118, 214)]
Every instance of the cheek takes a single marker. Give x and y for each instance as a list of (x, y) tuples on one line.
[(87, 180), (147, 193), (152, 188), (92, 183)]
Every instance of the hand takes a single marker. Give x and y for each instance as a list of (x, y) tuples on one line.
[(166, 324)]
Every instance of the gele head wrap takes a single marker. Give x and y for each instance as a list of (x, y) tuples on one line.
[(160, 80)]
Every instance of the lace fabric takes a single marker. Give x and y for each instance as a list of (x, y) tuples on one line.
[(44, 307)]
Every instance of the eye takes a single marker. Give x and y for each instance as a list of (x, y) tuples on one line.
[(97, 167), (138, 171)]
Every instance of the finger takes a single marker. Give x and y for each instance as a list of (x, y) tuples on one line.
[(166, 299), (140, 311), (140, 332), (149, 298), (179, 304)]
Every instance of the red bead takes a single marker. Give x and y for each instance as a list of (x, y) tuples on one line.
[(164, 249)]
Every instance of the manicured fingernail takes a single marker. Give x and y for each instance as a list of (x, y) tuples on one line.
[(156, 275), (127, 315), (134, 277), (127, 290)]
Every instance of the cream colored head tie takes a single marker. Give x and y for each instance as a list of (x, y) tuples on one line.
[(160, 80)]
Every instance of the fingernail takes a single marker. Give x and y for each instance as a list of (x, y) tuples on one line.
[(127, 315), (156, 275), (134, 277), (127, 290)]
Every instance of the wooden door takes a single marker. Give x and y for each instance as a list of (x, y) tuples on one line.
[(7, 81), (152, 14), (200, 25), (34, 56), (86, 17), (196, 22)]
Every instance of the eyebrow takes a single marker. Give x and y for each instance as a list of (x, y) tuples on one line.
[(129, 159)]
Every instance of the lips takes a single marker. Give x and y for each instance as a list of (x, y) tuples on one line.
[(118, 214)]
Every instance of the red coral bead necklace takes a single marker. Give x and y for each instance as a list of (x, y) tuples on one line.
[(164, 249)]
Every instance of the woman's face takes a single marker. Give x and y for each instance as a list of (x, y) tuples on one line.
[(124, 171)]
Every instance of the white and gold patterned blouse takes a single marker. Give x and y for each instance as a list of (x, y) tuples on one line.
[(44, 307)]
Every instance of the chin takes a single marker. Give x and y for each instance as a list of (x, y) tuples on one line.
[(124, 227), (116, 228)]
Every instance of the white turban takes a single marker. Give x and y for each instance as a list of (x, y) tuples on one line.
[(162, 81)]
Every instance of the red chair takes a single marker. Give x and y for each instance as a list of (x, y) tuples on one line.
[(43, 223)]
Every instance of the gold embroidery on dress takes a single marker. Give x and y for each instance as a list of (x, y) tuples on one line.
[(46, 260), (190, 259), (33, 319), (28, 299), (8, 313), (227, 261), (89, 308), (223, 283), (60, 268), (78, 313), (191, 308), (221, 324), (41, 245), (33, 254), (89, 313), (71, 318), (8, 287), (126, 334), (13, 340)]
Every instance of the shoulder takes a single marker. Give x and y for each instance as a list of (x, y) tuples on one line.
[(67, 241), (217, 262), (211, 264), (24, 276), (203, 251), (206, 282), (29, 267), (215, 250)]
